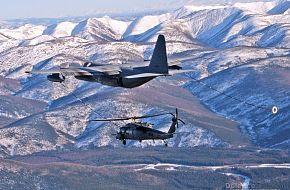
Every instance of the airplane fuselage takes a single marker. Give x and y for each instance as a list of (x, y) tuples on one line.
[(116, 80), (119, 80)]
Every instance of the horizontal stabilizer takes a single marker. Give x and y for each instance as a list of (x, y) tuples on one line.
[(143, 75), (173, 72)]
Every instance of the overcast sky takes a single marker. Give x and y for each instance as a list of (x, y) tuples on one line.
[(19, 9)]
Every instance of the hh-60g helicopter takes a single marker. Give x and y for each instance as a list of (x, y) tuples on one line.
[(142, 130)]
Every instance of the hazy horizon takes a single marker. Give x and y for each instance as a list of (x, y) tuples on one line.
[(19, 9)]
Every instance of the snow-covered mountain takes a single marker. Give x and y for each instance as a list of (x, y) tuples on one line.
[(240, 49)]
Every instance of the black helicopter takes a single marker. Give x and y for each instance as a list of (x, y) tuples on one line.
[(142, 130)]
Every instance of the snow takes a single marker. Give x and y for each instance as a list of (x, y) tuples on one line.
[(7, 44), (118, 26), (141, 25), (282, 7), (26, 31), (194, 136), (245, 184), (193, 8), (256, 7), (172, 167), (60, 30), (285, 165), (190, 9), (233, 47), (231, 25), (37, 40)]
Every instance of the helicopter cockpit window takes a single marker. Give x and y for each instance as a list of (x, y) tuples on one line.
[(129, 131), (122, 130)]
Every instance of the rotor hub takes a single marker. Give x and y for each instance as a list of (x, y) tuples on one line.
[(174, 119)]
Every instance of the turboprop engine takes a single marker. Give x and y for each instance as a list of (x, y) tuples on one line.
[(57, 77)]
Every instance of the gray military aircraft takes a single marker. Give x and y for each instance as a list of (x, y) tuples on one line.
[(125, 75), (142, 130)]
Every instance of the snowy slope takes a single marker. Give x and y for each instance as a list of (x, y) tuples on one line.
[(93, 29), (60, 30), (119, 27), (240, 49), (142, 24), (23, 32)]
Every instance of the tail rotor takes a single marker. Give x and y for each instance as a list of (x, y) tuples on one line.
[(175, 117), (175, 122)]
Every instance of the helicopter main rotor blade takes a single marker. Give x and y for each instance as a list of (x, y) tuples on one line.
[(110, 119), (129, 118), (176, 116), (153, 115)]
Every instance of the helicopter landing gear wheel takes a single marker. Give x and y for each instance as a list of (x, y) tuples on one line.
[(140, 141), (165, 143), (124, 142)]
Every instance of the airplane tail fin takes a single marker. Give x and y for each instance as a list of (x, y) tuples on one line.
[(158, 63)]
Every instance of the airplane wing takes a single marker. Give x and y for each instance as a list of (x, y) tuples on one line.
[(81, 71), (51, 71)]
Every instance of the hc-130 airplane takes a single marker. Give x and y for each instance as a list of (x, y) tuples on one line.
[(125, 75)]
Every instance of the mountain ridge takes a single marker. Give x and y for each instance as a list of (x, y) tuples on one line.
[(242, 53)]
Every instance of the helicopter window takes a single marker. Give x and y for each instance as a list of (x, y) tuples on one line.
[(122, 130), (129, 131)]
